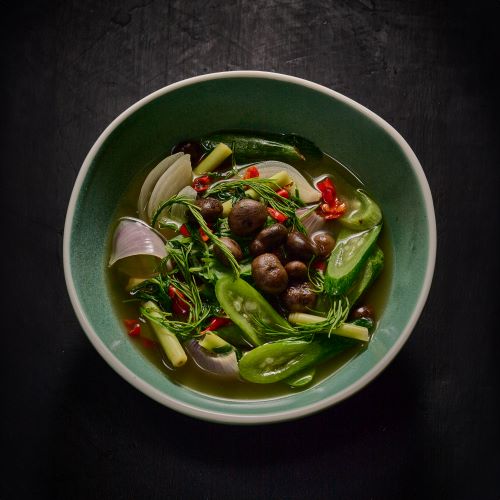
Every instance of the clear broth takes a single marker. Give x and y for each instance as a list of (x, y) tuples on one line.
[(192, 377)]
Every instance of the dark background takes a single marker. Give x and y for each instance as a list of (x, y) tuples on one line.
[(428, 426)]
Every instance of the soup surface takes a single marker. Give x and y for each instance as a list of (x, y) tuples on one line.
[(190, 375)]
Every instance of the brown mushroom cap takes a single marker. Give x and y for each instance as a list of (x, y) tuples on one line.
[(299, 246), (269, 274), (268, 239), (247, 216), (233, 247), (211, 208), (299, 297), (296, 270), (324, 243)]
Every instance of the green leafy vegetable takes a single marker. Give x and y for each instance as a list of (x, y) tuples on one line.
[(266, 190), (248, 309), (347, 259), (196, 213), (277, 361), (250, 147)]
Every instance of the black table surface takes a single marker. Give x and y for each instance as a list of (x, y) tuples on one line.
[(428, 426)]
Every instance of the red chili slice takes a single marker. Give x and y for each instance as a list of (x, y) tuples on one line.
[(319, 265), (251, 172), (333, 208), (201, 184), (276, 215), (133, 327), (216, 323), (203, 235)]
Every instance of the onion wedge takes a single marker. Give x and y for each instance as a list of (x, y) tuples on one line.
[(225, 365), (178, 176), (306, 192), (137, 248), (150, 182)]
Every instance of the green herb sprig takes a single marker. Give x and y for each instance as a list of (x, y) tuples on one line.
[(196, 213), (266, 190), (336, 315)]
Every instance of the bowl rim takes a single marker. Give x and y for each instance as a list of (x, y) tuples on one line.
[(234, 418)]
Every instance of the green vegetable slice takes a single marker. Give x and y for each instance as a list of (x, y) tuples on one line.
[(276, 361), (347, 259), (369, 273), (247, 308), (364, 213), (302, 378), (248, 147)]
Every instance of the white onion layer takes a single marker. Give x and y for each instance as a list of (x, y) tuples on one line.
[(178, 176), (150, 182), (137, 242), (225, 365), (307, 193)]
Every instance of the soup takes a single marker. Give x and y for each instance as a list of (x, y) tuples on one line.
[(248, 266)]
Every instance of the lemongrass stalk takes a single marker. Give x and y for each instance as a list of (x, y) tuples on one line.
[(281, 179), (213, 160), (344, 330), (171, 345)]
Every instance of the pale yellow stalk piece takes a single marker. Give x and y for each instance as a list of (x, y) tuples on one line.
[(171, 345)]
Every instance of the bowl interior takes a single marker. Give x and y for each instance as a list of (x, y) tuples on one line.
[(352, 135)]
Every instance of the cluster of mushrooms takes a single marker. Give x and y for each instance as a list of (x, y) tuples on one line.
[(280, 257)]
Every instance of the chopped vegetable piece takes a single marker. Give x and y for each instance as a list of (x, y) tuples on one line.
[(333, 208), (247, 308), (213, 343), (171, 345), (280, 179), (249, 147), (364, 213), (179, 305), (234, 335), (184, 230), (201, 183), (276, 215), (213, 160), (203, 235), (217, 323), (283, 193), (349, 330), (133, 327), (347, 259), (279, 360), (301, 378), (370, 272), (319, 265), (251, 172)]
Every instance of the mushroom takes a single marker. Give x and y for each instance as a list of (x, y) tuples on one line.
[(298, 245), (296, 270), (247, 216), (299, 297), (268, 239), (324, 243), (269, 274), (232, 246), (211, 208)]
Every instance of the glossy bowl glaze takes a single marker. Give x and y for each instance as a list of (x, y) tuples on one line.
[(256, 101)]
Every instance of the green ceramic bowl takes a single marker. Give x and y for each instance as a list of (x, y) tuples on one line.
[(256, 101)]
